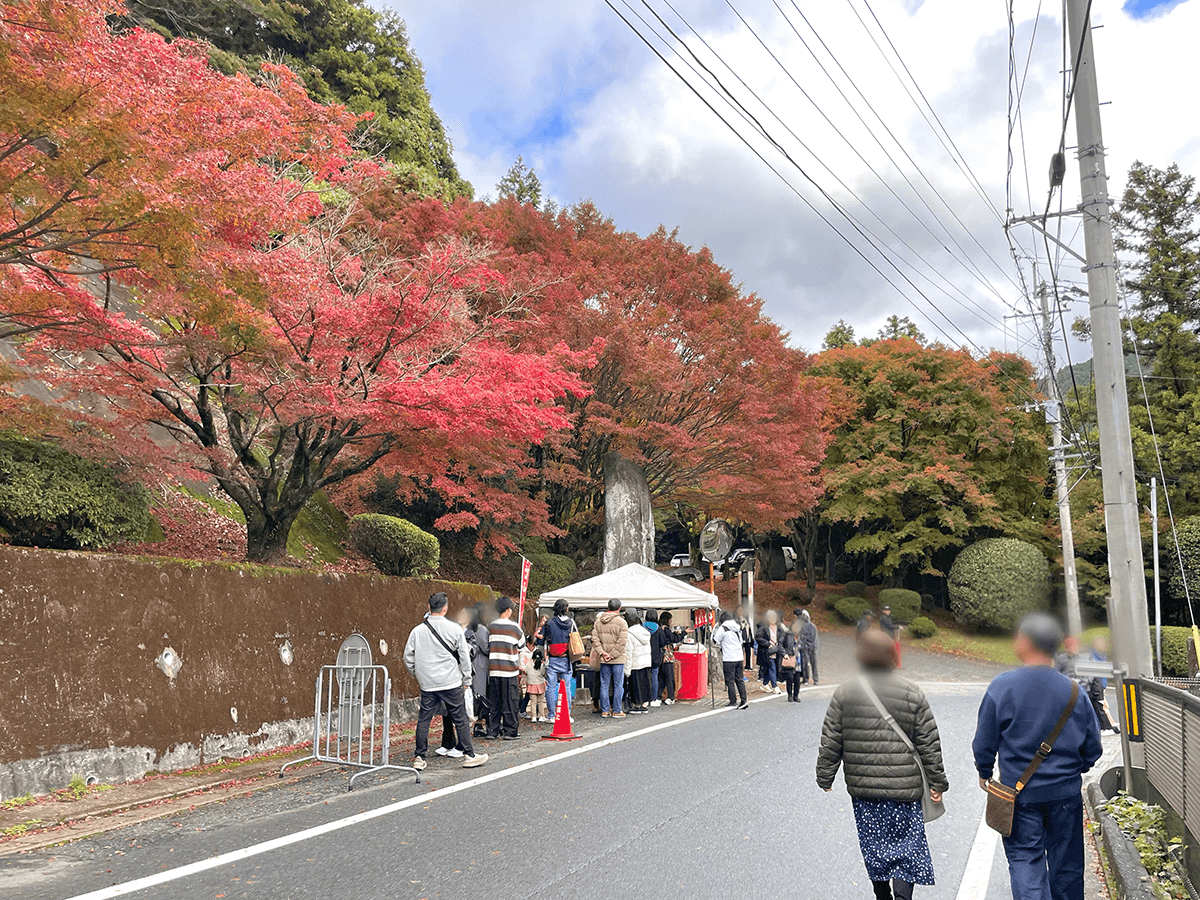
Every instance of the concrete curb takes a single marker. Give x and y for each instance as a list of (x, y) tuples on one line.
[(1128, 878)]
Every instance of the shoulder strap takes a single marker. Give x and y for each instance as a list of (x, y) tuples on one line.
[(1048, 743), (441, 640)]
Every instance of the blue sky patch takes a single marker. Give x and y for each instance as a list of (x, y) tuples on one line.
[(1144, 9)]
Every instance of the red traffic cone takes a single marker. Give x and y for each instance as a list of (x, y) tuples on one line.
[(562, 718)]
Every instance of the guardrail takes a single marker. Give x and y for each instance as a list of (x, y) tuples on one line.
[(356, 730), (1170, 724)]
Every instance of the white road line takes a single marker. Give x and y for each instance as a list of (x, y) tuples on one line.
[(141, 884), (974, 885)]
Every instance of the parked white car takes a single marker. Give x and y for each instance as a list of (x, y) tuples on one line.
[(680, 559)]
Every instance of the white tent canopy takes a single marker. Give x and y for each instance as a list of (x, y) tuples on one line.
[(634, 585)]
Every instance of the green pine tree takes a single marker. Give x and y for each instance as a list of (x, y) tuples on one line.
[(521, 183), (1157, 231)]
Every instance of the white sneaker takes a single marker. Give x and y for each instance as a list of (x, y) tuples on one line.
[(656, 703), (418, 764), (442, 751), (669, 702), (477, 760), (454, 754)]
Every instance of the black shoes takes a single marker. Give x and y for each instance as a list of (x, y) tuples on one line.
[(744, 706)]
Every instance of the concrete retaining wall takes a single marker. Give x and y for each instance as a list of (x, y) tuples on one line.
[(81, 638)]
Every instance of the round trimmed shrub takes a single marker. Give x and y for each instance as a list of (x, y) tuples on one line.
[(50, 497), (798, 596), (922, 627), (856, 589), (852, 608), (997, 581), (550, 571), (396, 546), (906, 605), (832, 600)]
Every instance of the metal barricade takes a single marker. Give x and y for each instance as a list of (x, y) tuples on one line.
[(354, 729)]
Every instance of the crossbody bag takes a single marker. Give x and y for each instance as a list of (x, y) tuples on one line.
[(1002, 799), (930, 809)]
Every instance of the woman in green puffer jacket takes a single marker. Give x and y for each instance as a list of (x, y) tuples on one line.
[(882, 775)]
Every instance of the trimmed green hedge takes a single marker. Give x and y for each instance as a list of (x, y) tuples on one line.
[(395, 546), (856, 589), (550, 570), (852, 608), (1175, 650), (906, 605), (50, 497), (997, 581), (922, 627), (1188, 534)]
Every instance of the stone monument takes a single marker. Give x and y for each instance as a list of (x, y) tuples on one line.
[(628, 516)]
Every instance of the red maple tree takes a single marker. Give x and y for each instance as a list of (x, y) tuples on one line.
[(280, 337), (690, 379)]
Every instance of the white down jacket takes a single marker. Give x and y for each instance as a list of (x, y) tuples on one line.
[(637, 648)]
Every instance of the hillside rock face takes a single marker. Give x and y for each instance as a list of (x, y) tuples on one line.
[(628, 516)]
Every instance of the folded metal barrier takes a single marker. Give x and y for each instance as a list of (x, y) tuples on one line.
[(354, 729)]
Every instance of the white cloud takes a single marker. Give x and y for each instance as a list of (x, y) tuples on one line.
[(568, 86)]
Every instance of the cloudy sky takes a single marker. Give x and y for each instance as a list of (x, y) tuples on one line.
[(570, 87)]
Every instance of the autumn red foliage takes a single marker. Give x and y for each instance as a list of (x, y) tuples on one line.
[(280, 339), (692, 381)]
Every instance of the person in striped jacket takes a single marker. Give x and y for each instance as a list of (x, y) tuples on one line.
[(505, 642)]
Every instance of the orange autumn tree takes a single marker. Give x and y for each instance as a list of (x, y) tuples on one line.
[(124, 155), (932, 449), (270, 333)]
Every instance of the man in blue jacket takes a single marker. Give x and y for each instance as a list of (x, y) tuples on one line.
[(1019, 711)]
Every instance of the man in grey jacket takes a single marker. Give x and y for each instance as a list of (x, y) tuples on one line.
[(439, 657)]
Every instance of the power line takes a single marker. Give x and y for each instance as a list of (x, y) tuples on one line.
[(952, 148), (976, 271), (870, 131), (978, 310), (825, 219)]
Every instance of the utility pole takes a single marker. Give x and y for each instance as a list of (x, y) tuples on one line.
[(1057, 451), (1157, 590), (1127, 573)]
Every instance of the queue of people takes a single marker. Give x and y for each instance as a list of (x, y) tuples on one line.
[(507, 675), (1038, 728)]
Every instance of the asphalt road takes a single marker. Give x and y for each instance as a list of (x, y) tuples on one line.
[(677, 804)]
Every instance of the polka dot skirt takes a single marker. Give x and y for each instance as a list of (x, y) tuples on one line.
[(891, 835)]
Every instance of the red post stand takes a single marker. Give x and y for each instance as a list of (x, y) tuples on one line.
[(562, 718), (693, 675)]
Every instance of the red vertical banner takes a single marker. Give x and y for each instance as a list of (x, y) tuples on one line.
[(526, 565)]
